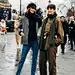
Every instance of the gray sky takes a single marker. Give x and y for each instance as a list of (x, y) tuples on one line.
[(40, 3)]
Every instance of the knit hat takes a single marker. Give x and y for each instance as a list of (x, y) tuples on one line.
[(52, 6), (32, 5)]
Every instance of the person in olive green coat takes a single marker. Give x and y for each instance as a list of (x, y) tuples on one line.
[(51, 29)]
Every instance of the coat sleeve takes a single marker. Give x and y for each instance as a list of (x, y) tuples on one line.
[(67, 28), (60, 28), (20, 27)]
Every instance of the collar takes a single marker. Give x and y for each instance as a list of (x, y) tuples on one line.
[(52, 16)]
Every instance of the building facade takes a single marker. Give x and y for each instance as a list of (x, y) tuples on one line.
[(4, 1), (5, 10), (4, 4)]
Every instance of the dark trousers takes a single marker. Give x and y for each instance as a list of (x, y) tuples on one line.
[(49, 56), (72, 40), (63, 45)]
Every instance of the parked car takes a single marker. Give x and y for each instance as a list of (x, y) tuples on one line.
[(10, 25)]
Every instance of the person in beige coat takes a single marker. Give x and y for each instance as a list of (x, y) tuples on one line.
[(18, 40)]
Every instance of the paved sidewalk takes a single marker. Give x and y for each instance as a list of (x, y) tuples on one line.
[(65, 63)]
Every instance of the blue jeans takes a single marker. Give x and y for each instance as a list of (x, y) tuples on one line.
[(25, 50)]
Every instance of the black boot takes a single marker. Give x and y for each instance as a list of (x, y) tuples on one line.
[(62, 48), (62, 52), (71, 48), (17, 57)]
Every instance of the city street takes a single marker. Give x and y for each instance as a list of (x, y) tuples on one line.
[(65, 63)]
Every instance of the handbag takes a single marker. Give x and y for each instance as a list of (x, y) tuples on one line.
[(58, 41), (3, 29)]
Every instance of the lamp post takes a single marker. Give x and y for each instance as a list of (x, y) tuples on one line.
[(20, 7), (49, 1)]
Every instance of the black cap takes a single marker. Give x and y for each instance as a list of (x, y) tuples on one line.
[(52, 6), (62, 16), (32, 5)]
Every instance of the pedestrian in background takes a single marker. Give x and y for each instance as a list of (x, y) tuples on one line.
[(39, 12), (18, 39), (3, 25), (51, 29), (29, 37), (71, 32), (66, 31)]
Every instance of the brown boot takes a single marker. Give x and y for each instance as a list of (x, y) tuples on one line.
[(16, 63), (17, 56)]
